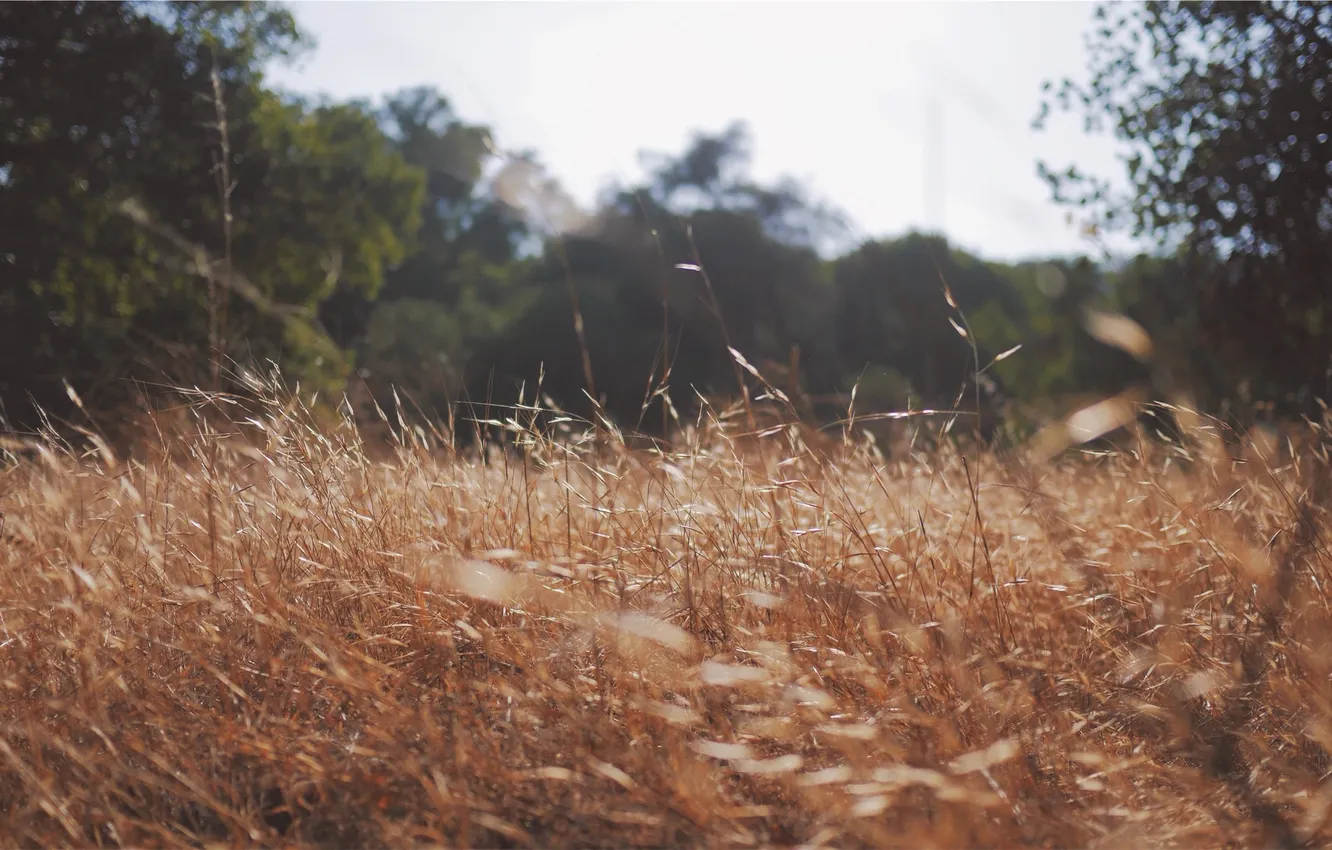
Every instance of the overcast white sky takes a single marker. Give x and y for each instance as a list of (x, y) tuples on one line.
[(835, 94)]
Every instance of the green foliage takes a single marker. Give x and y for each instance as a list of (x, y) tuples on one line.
[(111, 203), (394, 238), (1223, 110), (892, 312), (358, 201), (462, 285), (430, 347), (670, 274)]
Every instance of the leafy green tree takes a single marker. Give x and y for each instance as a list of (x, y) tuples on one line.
[(670, 273), (116, 242), (892, 313), (461, 216), (430, 348), (760, 286), (711, 174), (1225, 114), (463, 282), (63, 150), (1060, 362), (1160, 294)]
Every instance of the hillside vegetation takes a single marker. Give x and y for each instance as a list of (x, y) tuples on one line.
[(258, 615), (259, 630)]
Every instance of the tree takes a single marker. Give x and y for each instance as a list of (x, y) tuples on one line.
[(892, 313), (711, 175), (461, 214), (463, 282), (111, 209), (645, 304), (1225, 110)]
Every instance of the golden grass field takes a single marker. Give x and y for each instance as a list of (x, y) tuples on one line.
[(268, 633)]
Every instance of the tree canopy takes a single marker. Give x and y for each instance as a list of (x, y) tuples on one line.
[(119, 231), (1224, 111), (182, 212)]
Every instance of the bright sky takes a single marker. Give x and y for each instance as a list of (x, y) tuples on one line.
[(835, 94)]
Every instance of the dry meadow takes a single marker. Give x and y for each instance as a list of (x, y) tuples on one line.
[(261, 629)]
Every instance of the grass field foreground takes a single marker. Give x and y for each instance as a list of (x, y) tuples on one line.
[(266, 633)]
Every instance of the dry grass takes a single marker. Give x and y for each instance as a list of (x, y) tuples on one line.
[(272, 635)]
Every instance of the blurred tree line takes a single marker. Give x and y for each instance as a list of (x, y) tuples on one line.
[(164, 210)]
